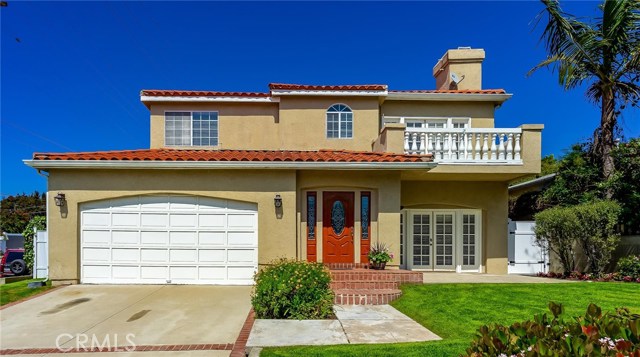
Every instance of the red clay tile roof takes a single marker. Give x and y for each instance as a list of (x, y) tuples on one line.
[(373, 87), (457, 91), (234, 155), (199, 93)]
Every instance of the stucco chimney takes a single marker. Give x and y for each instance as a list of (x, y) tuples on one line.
[(463, 64)]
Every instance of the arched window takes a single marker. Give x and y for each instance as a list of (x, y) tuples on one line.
[(339, 122)]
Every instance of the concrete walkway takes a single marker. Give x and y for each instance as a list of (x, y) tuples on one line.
[(355, 324), (452, 277)]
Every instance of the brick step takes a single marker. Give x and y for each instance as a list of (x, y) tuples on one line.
[(365, 296), (364, 284), (400, 276)]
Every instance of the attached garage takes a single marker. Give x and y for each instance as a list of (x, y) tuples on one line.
[(168, 239)]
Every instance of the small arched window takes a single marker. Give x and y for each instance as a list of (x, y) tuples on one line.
[(339, 122)]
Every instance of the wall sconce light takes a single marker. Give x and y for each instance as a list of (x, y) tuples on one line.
[(277, 201), (60, 199)]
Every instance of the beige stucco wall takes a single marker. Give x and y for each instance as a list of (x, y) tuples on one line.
[(276, 237), (481, 113), (385, 204), (296, 123), (240, 125), (465, 63), (490, 197), (303, 123)]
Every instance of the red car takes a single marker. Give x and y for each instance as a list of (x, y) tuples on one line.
[(13, 262)]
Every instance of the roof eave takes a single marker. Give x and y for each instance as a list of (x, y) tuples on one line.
[(457, 97), (150, 99), (300, 165), (331, 93)]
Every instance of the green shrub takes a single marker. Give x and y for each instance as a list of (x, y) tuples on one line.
[(556, 230), (39, 223), (596, 232), (291, 289), (594, 334), (629, 266)]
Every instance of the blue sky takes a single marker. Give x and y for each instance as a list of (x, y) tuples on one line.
[(72, 71)]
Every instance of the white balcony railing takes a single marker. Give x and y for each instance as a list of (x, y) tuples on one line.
[(468, 145)]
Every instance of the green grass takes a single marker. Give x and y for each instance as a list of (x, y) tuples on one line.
[(455, 311), (17, 291)]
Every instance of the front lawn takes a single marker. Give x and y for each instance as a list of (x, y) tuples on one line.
[(16, 291), (455, 311)]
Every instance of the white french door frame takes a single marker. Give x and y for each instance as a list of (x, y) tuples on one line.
[(458, 229)]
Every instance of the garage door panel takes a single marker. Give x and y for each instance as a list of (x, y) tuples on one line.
[(125, 237), (125, 204), (92, 237), (241, 256), (98, 272), (149, 255), (183, 238), (125, 219), (125, 255), (183, 203), (154, 203), (218, 273), (96, 254), (183, 256), (168, 239), (125, 272), (212, 220), (240, 273), (242, 221), (241, 238), (154, 220), (182, 220), (154, 238), (96, 219), (207, 204), (154, 274), (183, 273), (212, 255), (212, 238)]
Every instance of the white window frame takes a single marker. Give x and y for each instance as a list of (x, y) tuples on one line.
[(458, 213), (449, 121), (340, 119), (217, 138)]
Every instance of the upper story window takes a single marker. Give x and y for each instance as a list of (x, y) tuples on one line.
[(339, 122), (429, 122), (191, 128)]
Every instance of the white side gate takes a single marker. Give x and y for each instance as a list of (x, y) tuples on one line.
[(525, 257), (41, 255)]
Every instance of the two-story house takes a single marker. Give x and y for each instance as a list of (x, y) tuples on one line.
[(234, 180)]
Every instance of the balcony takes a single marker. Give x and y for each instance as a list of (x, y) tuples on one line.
[(466, 145), (453, 142)]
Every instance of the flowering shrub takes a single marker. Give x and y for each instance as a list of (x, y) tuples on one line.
[(629, 266), (379, 253), (594, 334), (617, 276), (291, 289)]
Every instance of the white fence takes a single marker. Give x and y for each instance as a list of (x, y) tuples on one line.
[(41, 255), (525, 257)]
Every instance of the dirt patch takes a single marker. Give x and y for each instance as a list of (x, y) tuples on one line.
[(65, 306)]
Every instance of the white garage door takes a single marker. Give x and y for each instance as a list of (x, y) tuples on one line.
[(168, 240)]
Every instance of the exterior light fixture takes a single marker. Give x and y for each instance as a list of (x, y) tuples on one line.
[(277, 201), (60, 199)]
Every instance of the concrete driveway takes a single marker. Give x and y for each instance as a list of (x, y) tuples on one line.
[(148, 314)]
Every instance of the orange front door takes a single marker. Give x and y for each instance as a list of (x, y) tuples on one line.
[(337, 227)]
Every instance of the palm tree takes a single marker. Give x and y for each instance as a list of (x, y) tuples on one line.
[(604, 54)]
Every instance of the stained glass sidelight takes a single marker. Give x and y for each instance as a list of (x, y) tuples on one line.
[(365, 214), (311, 215), (337, 217)]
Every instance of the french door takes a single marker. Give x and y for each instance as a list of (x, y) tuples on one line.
[(445, 240)]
